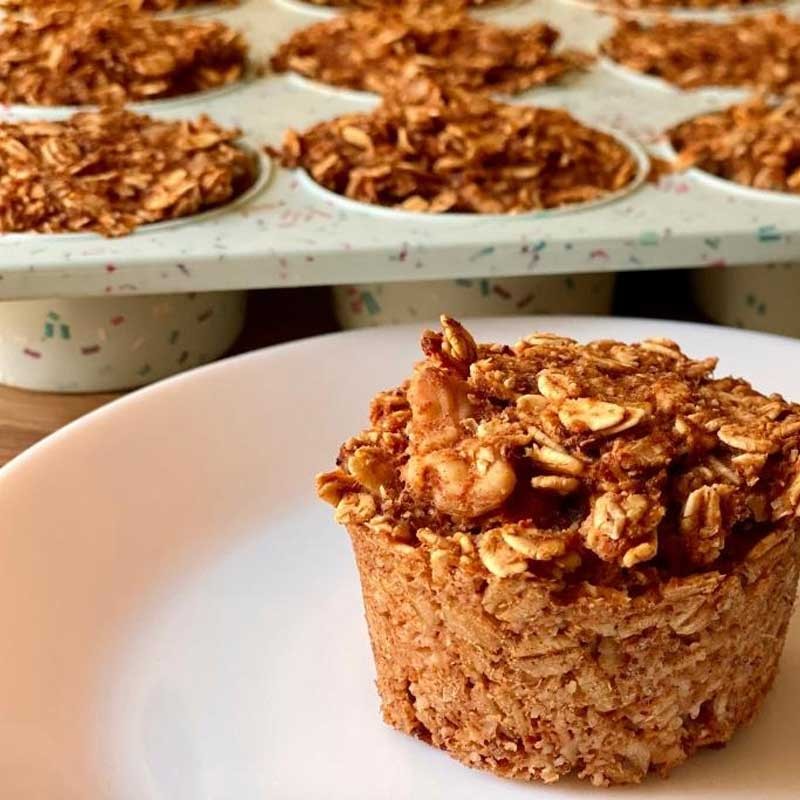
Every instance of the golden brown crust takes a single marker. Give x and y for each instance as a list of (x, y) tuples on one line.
[(624, 454), (371, 50)]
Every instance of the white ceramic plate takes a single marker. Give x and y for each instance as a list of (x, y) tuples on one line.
[(181, 617)]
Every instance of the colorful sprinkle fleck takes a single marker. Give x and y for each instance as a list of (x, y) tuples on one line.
[(484, 251), (769, 233), (371, 304)]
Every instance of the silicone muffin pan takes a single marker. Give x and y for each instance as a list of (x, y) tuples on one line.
[(290, 233)]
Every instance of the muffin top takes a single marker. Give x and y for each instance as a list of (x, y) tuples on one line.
[(601, 460)]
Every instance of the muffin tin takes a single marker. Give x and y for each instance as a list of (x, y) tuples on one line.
[(291, 234)]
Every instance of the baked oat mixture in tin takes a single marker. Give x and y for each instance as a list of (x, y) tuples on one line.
[(761, 51), (371, 50), (109, 55), (110, 171), (134, 5), (756, 143), (430, 149), (666, 5), (378, 4)]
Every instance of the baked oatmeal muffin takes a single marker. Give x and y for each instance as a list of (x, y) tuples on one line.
[(574, 558)]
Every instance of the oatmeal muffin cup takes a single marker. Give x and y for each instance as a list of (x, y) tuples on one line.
[(437, 150), (574, 558), (370, 50), (110, 171), (108, 55), (697, 54)]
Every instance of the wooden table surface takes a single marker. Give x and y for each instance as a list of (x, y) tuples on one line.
[(273, 316)]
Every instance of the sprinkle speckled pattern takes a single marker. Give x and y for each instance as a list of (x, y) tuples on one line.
[(287, 236), (90, 344)]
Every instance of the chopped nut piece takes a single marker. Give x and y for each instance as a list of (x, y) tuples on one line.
[(702, 523), (439, 402), (355, 507), (575, 163), (371, 468), (617, 519), (456, 485), (609, 517), (356, 136), (371, 50), (457, 342), (332, 486)]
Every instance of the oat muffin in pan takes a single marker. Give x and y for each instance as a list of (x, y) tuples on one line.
[(693, 5), (761, 51), (431, 149), (755, 143), (110, 171), (370, 50), (108, 55), (134, 5), (574, 558), (376, 4)]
